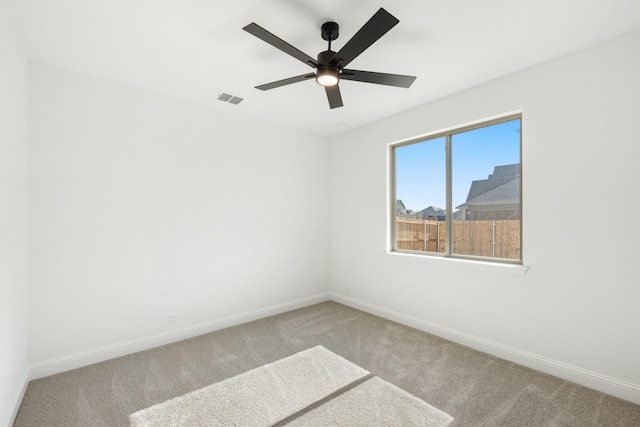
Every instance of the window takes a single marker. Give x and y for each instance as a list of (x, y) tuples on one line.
[(458, 193)]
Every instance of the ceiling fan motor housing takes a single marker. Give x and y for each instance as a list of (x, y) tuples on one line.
[(325, 57)]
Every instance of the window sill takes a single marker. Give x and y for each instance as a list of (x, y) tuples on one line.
[(504, 268)]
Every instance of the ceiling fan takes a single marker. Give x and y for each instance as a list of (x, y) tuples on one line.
[(330, 65)]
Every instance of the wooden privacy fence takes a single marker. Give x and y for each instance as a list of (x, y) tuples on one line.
[(498, 239)]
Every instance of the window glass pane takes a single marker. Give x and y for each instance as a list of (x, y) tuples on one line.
[(486, 191), (420, 196)]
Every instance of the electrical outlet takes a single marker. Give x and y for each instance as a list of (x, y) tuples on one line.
[(348, 290), (172, 318)]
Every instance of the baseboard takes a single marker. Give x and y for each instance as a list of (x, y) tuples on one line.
[(18, 399), (78, 360), (612, 386), (622, 389)]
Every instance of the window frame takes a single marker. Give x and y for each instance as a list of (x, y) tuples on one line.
[(448, 133)]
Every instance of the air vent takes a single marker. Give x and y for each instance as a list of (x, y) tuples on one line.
[(225, 97)]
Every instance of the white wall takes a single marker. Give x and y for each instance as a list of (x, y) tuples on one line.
[(13, 219), (143, 205), (578, 303)]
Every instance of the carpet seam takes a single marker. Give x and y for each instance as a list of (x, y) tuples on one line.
[(324, 400)]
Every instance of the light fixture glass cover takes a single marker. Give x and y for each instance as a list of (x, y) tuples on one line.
[(326, 76)]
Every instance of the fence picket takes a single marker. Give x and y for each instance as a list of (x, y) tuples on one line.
[(469, 237)]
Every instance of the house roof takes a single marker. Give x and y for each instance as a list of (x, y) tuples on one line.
[(501, 187), (401, 209), (507, 193), (505, 171), (500, 176), (433, 211)]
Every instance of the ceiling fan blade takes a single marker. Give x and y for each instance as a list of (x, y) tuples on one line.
[(378, 78), (334, 97), (277, 42), (376, 27), (285, 82)]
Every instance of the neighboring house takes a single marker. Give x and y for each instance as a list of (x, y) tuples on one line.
[(432, 212), (401, 210), (494, 198)]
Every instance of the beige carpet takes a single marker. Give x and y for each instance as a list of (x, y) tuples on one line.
[(314, 387), (477, 389)]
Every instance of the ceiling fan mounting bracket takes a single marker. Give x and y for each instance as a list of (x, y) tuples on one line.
[(330, 31)]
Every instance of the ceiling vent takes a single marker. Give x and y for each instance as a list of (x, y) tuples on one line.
[(225, 97)]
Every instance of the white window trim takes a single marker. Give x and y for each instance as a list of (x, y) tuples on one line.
[(519, 269), (498, 267)]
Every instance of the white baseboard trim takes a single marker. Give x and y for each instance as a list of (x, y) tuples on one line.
[(84, 358), (618, 388), (18, 399)]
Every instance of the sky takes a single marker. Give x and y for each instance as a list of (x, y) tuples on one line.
[(420, 167)]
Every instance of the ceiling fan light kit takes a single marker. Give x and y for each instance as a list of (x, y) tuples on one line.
[(330, 65), (327, 76)]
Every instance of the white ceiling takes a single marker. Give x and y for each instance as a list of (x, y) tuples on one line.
[(195, 49)]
